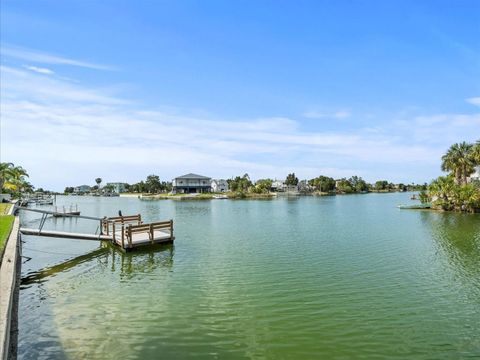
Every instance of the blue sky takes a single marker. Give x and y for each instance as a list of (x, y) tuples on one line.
[(378, 89)]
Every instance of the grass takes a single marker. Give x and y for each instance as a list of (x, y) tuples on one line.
[(6, 223), (4, 208)]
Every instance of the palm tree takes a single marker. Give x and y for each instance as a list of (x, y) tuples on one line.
[(441, 191), (475, 154), (12, 177), (458, 160), (15, 179), (5, 173), (467, 198), (98, 181)]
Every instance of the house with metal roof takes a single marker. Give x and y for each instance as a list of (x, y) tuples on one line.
[(191, 183)]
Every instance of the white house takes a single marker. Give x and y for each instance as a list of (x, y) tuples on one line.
[(278, 185), (219, 185), (476, 175)]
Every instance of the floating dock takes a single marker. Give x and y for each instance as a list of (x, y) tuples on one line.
[(72, 211), (126, 232)]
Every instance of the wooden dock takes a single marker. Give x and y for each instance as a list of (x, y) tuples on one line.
[(126, 232), (130, 232)]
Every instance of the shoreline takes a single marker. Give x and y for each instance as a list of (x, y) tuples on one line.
[(236, 196)]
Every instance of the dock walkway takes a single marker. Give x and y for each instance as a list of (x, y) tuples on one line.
[(127, 232)]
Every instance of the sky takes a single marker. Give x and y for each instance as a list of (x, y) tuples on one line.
[(124, 89)]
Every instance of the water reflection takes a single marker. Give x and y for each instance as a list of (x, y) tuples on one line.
[(458, 238), (142, 261), (110, 257)]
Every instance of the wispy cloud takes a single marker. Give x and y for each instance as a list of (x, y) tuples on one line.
[(39, 70), (18, 83), (341, 114), (44, 58), (473, 101), (66, 133)]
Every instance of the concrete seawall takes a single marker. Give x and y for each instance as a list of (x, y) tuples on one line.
[(9, 291)]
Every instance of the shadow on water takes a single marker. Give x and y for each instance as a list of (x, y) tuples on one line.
[(109, 256), (458, 237)]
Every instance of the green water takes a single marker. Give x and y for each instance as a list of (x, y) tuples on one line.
[(346, 277)]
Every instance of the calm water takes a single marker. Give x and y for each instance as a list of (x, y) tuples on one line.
[(334, 277)]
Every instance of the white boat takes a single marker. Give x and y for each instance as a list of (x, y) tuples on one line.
[(44, 202), (220, 196)]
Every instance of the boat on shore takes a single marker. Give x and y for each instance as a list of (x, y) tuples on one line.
[(220, 197), (44, 202)]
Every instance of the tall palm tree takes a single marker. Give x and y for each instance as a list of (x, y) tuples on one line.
[(5, 173), (459, 162), (14, 178)]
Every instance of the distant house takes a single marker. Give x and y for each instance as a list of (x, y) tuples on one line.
[(219, 185), (81, 189), (191, 183), (303, 186), (278, 186), (118, 187), (475, 177)]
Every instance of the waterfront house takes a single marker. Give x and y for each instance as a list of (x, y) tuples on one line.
[(219, 185), (278, 186), (304, 187), (81, 189), (475, 177), (191, 183), (118, 187)]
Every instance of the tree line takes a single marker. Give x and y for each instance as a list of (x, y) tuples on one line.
[(152, 184), (322, 184)]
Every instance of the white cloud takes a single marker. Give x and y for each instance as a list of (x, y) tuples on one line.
[(39, 70), (21, 84), (40, 57), (67, 134), (341, 114), (473, 101)]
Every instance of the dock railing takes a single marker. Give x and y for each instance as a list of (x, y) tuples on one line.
[(110, 225), (149, 229)]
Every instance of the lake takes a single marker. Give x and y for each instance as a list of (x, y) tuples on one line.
[(340, 277)]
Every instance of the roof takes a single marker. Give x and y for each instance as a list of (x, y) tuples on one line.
[(192, 176)]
